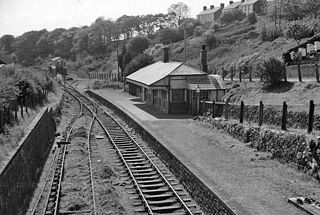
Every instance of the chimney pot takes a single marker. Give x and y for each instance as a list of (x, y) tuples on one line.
[(222, 5), (230, 2), (242, 1), (204, 8), (166, 54), (211, 6)]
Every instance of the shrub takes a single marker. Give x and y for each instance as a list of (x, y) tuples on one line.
[(232, 16), (138, 62), (214, 26), (137, 45), (198, 31), (168, 35), (299, 30), (269, 32), (252, 18), (272, 71), (210, 39)]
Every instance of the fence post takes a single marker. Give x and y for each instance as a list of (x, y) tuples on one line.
[(213, 108), (317, 72), (240, 74), (21, 106), (260, 113), (16, 109), (1, 120), (226, 110), (241, 112), (299, 71), (284, 116), (26, 103), (285, 75), (250, 75), (311, 116), (203, 107)]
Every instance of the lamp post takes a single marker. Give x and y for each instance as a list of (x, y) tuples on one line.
[(198, 98)]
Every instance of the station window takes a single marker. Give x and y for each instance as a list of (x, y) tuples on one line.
[(204, 95), (178, 95)]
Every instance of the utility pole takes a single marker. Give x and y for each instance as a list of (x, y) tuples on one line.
[(185, 43)]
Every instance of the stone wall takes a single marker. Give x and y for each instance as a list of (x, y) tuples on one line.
[(201, 193), (20, 176), (286, 146)]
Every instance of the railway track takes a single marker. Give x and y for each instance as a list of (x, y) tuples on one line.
[(48, 200), (155, 190)]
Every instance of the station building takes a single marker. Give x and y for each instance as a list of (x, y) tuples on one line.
[(174, 87)]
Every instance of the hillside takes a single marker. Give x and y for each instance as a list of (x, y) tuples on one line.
[(227, 53)]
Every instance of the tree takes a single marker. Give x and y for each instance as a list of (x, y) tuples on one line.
[(210, 39), (25, 46), (124, 59), (312, 7), (148, 25), (128, 24), (138, 62), (6, 43), (137, 45), (168, 35), (272, 71), (63, 45), (180, 11)]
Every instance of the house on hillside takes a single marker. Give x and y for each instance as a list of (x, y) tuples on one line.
[(210, 15), (174, 87), (232, 6), (252, 6)]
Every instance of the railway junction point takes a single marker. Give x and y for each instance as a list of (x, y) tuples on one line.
[(247, 180)]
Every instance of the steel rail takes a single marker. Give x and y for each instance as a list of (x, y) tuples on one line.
[(184, 206)]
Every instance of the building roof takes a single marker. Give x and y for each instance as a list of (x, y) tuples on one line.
[(248, 2), (210, 82), (233, 5), (155, 72), (209, 11)]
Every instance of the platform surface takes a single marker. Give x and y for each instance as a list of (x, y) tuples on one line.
[(247, 180)]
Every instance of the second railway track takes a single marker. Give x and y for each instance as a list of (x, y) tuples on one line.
[(157, 192)]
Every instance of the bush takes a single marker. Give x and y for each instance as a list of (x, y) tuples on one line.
[(232, 16), (272, 71), (138, 62), (198, 31), (210, 39), (168, 35), (269, 32), (214, 26), (137, 45), (252, 18)]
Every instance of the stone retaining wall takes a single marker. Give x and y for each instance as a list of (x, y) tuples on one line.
[(20, 176), (291, 147), (201, 193)]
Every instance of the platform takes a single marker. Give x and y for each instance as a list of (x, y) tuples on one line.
[(247, 180)]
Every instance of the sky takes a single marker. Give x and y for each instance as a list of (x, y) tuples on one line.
[(20, 16)]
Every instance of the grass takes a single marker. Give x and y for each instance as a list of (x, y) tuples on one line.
[(297, 95)]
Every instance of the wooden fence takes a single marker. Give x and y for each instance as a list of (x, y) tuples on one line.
[(222, 109), (20, 106)]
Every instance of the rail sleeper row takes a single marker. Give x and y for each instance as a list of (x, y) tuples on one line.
[(154, 189)]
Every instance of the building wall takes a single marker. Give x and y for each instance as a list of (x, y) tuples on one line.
[(211, 17)]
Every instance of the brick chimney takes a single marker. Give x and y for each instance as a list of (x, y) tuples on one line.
[(165, 54), (242, 1), (203, 56), (211, 6), (222, 5), (204, 8), (230, 2)]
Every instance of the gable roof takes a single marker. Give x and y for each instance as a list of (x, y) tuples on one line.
[(248, 2), (209, 11), (155, 72), (233, 5)]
